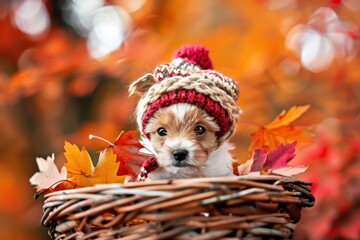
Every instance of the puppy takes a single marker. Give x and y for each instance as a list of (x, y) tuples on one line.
[(184, 142), (186, 113)]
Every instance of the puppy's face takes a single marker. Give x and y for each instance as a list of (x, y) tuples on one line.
[(182, 136)]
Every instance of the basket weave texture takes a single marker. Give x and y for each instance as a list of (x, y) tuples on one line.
[(244, 207)]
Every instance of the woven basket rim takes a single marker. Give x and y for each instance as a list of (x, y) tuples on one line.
[(225, 179), (261, 205)]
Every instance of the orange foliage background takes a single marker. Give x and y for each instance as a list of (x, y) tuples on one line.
[(52, 89)]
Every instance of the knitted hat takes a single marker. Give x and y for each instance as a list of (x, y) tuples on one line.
[(189, 78)]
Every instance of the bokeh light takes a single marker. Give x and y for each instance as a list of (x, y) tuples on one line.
[(322, 40), (79, 14), (109, 29), (31, 17)]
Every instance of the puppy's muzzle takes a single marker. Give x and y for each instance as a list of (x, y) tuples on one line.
[(180, 154)]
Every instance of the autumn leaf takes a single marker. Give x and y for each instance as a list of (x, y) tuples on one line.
[(79, 166), (259, 159), (278, 159), (106, 169), (82, 171), (275, 161), (280, 156), (290, 170), (244, 168), (127, 150), (285, 118), (280, 131), (49, 177)]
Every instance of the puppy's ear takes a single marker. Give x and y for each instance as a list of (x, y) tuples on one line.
[(141, 85)]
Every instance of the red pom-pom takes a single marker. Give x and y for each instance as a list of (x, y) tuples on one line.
[(195, 54)]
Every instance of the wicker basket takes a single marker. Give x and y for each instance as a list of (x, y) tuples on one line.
[(251, 207)]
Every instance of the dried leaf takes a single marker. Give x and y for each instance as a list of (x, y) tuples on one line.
[(244, 168), (275, 161), (290, 170), (79, 166), (106, 169), (286, 118), (49, 176), (259, 159), (280, 156), (82, 171), (126, 147), (281, 131)]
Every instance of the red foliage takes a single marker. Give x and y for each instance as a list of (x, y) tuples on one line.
[(126, 147)]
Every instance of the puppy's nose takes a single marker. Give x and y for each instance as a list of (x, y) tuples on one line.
[(180, 154)]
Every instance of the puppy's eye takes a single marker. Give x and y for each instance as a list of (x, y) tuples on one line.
[(162, 132), (200, 130)]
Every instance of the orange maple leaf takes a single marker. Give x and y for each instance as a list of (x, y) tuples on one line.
[(81, 170), (280, 131), (49, 178)]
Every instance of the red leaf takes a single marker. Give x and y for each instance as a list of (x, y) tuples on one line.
[(126, 147), (259, 160), (280, 156), (62, 185), (58, 186), (277, 159)]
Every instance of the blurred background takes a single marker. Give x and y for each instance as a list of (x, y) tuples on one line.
[(65, 66)]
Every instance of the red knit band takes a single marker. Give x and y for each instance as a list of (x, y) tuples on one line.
[(212, 108)]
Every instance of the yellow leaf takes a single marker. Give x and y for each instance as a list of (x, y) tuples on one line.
[(285, 118), (79, 162), (106, 169), (79, 166), (82, 172)]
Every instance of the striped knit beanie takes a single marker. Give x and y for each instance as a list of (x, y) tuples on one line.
[(188, 78)]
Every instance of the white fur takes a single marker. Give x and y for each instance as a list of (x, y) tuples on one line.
[(220, 161), (181, 143), (147, 149), (219, 164), (180, 109)]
